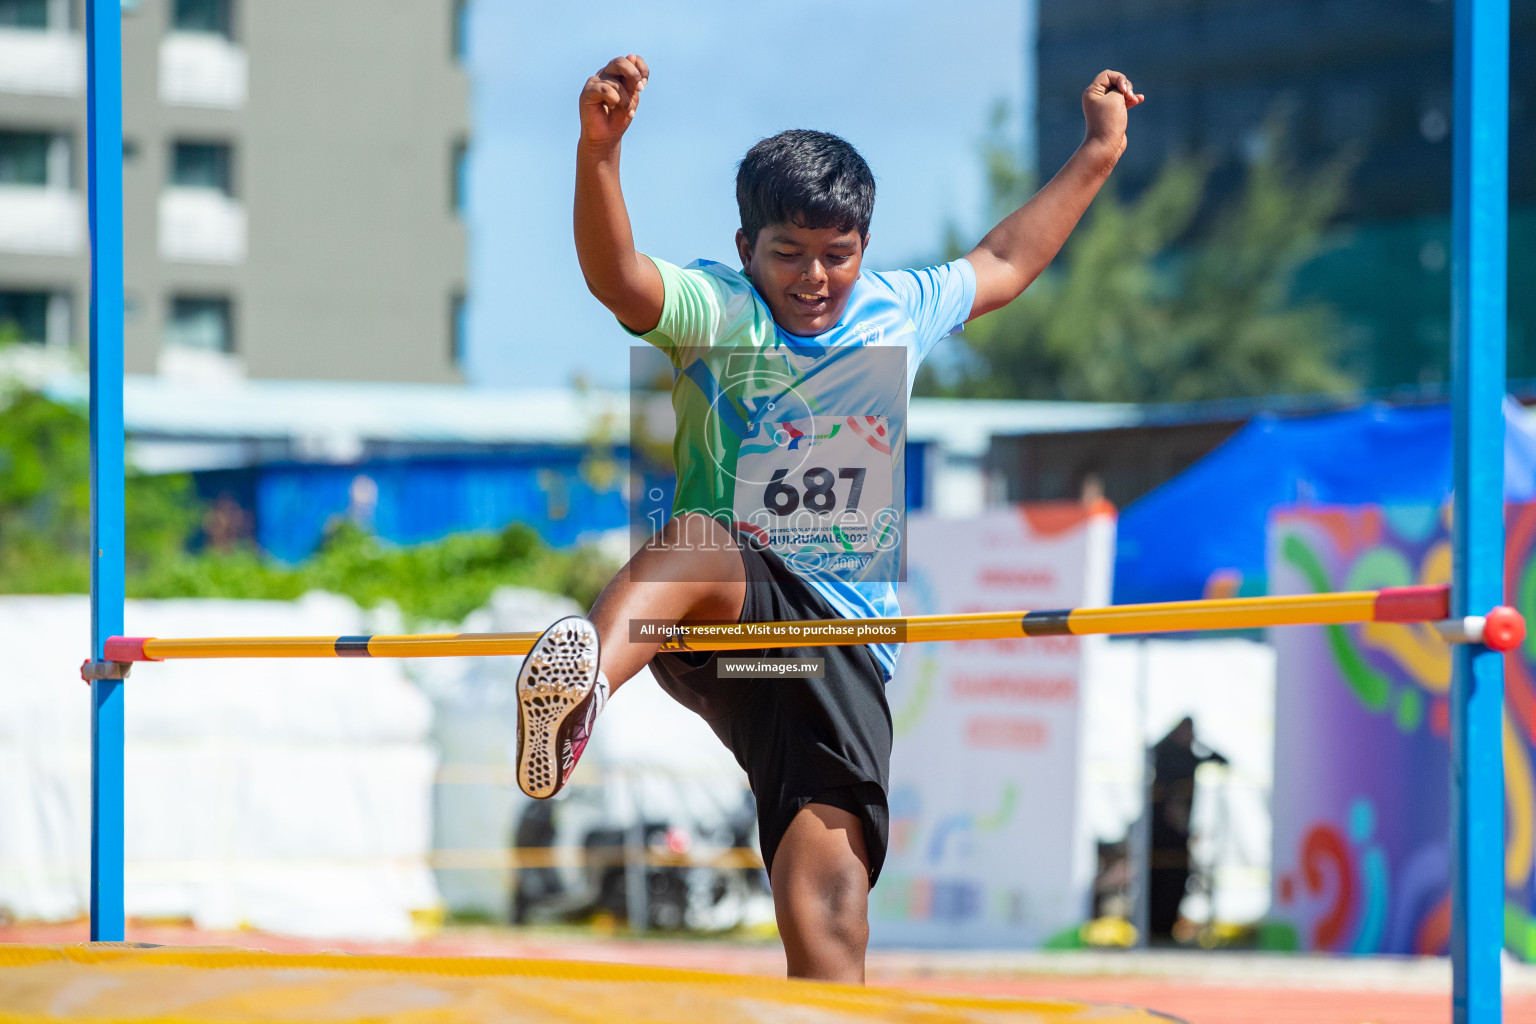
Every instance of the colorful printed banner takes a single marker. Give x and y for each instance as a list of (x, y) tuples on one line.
[(987, 848), (1362, 759)]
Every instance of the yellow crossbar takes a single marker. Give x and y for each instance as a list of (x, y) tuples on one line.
[(1404, 604)]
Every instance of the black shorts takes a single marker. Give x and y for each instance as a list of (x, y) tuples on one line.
[(800, 741)]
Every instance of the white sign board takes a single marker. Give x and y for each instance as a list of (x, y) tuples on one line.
[(987, 848)]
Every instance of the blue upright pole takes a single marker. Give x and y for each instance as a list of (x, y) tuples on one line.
[(104, 121), (1478, 234)]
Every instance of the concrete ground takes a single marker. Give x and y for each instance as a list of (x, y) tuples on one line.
[(1197, 987)]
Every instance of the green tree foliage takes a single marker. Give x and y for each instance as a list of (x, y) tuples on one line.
[(41, 514), (45, 538), (45, 502), (1153, 301)]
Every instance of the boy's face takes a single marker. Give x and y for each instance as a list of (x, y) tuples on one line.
[(804, 274)]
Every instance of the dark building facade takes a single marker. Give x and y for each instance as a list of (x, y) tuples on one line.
[(1372, 76)]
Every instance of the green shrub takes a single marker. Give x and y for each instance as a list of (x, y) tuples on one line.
[(45, 538), (438, 582)]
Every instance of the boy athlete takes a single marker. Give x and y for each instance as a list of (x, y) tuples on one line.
[(758, 354)]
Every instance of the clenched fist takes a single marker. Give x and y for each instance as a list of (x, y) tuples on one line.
[(1106, 105), (610, 98)]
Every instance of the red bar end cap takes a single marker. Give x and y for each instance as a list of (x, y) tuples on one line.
[(1413, 604), (127, 648), (1503, 629)]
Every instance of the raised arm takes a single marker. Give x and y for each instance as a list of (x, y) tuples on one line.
[(620, 278), (1014, 253)]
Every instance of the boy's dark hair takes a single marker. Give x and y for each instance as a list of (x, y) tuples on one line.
[(811, 179)]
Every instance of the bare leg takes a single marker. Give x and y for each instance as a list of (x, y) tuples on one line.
[(820, 887), (821, 870), (692, 569)]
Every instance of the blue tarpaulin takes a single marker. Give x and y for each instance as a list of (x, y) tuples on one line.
[(413, 500), (1209, 522)]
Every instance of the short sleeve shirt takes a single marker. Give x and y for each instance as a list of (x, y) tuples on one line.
[(751, 401)]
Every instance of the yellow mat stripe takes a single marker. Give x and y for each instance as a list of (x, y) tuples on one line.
[(644, 993)]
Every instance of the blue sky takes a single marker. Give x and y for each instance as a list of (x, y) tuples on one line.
[(908, 82)]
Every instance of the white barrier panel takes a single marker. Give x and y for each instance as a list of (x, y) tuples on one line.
[(290, 797), (987, 845)]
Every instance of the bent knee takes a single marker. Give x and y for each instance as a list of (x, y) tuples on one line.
[(839, 894), (846, 903)]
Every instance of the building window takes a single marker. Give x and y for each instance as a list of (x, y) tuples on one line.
[(458, 171), (203, 165), (38, 159), (200, 322), (38, 15), (458, 324), (458, 32), (207, 16), (24, 14), (34, 317), (24, 316), (24, 158)]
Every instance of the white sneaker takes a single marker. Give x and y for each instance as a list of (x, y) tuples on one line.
[(559, 694)]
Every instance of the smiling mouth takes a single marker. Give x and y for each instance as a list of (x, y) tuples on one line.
[(806, 299)]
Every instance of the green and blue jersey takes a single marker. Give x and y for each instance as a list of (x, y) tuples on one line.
[(801, 440)]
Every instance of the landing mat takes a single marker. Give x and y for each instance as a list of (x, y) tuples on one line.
[(125, 984)]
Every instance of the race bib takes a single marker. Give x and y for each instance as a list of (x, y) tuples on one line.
[(822, 501)]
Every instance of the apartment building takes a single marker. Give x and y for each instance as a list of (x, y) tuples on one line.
[(293, 185), (1371, 78)]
